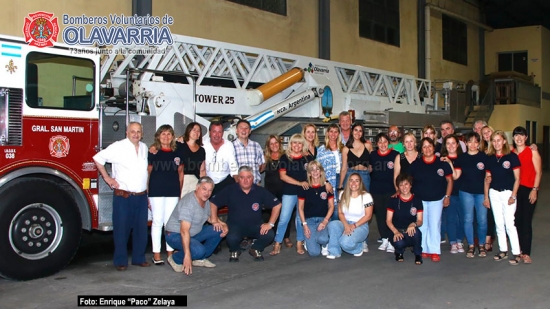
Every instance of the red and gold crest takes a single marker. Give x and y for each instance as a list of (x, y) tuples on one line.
[(59, 146), (41, 29)]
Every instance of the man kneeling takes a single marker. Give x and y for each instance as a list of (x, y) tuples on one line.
[(244, 202), (193, 241)]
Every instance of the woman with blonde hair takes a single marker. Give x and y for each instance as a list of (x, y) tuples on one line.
[(165, 183), (503, 166), (273, 183), (309, 132), (292, 170), (330, 156), (405, 159), (354, 213), (315, 208)]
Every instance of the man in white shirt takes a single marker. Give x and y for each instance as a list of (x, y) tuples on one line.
[(221, 164), (129, 182)]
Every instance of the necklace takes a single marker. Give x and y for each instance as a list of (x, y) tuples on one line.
[(274, 165), (316, 189), (498, 159)]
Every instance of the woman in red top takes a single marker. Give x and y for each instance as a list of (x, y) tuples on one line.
[(529, 180)]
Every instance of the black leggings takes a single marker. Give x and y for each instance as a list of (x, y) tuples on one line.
[(381, 203), (524, 219)]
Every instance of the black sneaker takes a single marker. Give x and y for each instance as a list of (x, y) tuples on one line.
[(257, 255), (234, 256)]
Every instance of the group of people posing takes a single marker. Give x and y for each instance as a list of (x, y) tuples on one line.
[(334, 189)]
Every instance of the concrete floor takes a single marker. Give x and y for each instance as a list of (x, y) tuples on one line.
[(374, 280)]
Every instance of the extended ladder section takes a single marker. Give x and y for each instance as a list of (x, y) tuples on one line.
[(229, 78)]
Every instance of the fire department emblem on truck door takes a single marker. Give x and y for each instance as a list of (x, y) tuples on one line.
[(41, 29), (59, 146)]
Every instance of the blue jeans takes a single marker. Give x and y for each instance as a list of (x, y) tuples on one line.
[(455, 220), (317, 238), (352, 244), (288, 205), (415, 241), (365, 176), (470, 202), (201, 245), (129, 218), (431, 227)]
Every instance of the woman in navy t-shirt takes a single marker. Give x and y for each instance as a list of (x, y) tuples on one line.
[(315, 208), (292, 170), (404, 216), (382, 186), (470, 169), (501, 194), (433, 184), (165, 182)]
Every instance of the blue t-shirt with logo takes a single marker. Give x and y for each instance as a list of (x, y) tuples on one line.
[(473, 172), (244, 209), (164, 178), (429, 183), (382, 172), (315, 201), (404, 211), (502, 169)]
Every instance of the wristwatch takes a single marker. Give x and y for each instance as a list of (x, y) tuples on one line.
[(535, 188), (271, 224), (304, 223)]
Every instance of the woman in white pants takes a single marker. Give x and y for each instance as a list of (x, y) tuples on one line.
[(165, 182), (501, 193)]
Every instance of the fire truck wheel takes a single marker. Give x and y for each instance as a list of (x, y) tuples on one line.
[(40, 229)]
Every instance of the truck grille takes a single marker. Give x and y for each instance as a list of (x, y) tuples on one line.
[(15, 111)]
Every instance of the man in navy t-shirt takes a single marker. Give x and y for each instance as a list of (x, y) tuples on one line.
[(244, 202)]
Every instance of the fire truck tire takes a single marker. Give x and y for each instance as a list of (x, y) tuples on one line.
[(40, 229)]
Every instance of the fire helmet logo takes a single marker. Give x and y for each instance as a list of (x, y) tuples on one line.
[(440, 172), (390, 165), (413, 211), (506, 164), (480, 166), (255, 206), (41, 29)]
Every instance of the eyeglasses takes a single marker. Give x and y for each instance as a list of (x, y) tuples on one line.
[(215, 156)]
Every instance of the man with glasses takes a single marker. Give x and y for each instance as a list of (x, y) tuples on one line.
[(395, 139), (244, 202), (221, 164), (193, 241)]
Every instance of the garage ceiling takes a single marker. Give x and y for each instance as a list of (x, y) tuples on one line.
[(515, 13)]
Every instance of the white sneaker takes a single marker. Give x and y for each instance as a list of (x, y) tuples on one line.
[(460, 247), (390, 248), (384, 244), (365, 247), (203, 263), (454, 249), (324, 250), (358, 254), (380, 240), (332, 257)]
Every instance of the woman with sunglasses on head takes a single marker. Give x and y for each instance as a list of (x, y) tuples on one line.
[(382, 187), (354, 213), (315, 208), (292, 170), (433, 184), (470, 170), (273, 183), (453, 215), (503, 166), (529, 182), (330, 156)]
